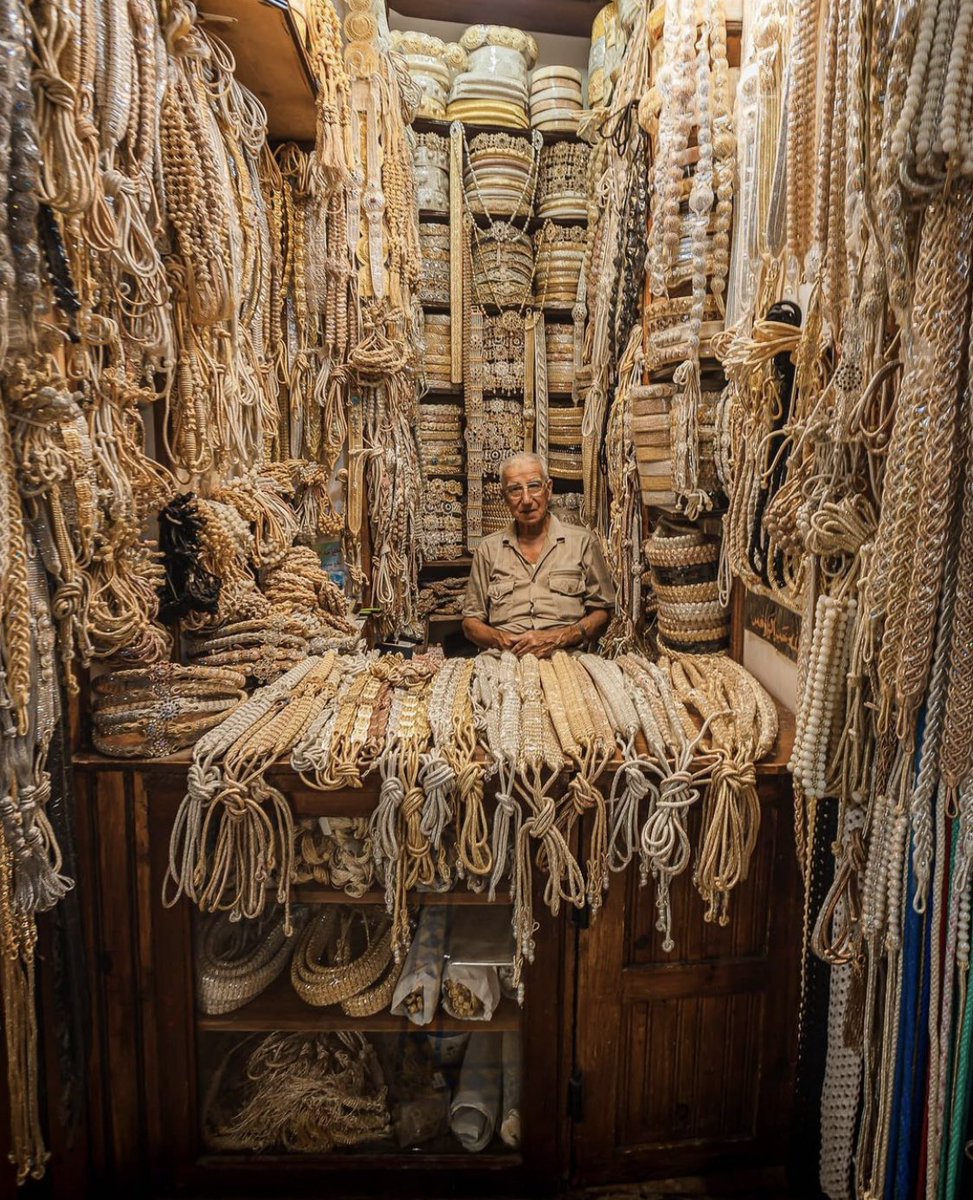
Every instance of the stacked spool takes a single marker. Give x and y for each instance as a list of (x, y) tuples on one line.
[(607, 46), (503, 266), (685, 570), (442, 519), (441, 439), (559, 347), (562, 185), (564, 441), (438, 357), (496, 514), (434, 245), (431, 159), (499, 175), (431, 63), (493, 91), (668, 331), (556, 101), (559, 255), (654, 439)]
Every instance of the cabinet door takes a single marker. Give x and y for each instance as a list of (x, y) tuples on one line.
[(687, 1058), (189, 1050)]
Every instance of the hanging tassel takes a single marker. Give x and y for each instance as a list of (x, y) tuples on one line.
[(17, 984)]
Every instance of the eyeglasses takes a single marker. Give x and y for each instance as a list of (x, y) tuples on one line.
[(516, 491)]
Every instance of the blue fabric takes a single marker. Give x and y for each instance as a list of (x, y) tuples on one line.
[(912, 1052)]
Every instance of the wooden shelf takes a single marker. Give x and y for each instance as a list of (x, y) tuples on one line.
[(496, 1157), (438, 564), (280, 1008), (450, 393), (313, 893), (271, 61)]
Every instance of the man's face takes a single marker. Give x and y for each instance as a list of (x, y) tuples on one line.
[(527, 494)]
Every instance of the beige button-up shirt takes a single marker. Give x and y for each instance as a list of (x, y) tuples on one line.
[(515, 595)]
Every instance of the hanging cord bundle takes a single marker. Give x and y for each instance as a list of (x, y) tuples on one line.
[(254, 849), (507, 819), (55, 465), (588, 743), (756, 403), (742, 730), (624, 538), (396, 823), (539, 753), (438, 778), (474, 857), (382, 366), (305, 487), (663, 840), (30, 858), (607, 677), (190, 859)]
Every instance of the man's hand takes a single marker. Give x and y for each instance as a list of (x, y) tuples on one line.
[(502, 640), (486, 637), (540, 642)]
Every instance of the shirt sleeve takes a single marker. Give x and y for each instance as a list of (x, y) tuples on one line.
[(475, 600), (599, 587)]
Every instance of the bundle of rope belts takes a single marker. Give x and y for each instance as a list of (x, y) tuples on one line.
[(630, 744), (179, 307), (845, 445)]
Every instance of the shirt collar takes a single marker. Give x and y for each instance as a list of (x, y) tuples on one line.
[(555, 531)]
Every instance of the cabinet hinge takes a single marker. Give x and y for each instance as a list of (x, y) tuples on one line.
[(582, 915), (576, 1097)]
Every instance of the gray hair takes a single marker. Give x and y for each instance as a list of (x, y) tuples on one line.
[(523, 456)]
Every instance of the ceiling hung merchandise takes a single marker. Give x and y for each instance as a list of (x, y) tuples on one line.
[(319, 322)]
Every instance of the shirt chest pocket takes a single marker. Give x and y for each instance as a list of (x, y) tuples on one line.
[(567, 592), (501, 593)]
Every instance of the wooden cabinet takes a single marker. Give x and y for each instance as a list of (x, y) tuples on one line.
[(151, 1049), (636, 1063)]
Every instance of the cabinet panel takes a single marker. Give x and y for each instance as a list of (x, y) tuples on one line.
[(678, 1086), (687, 1058)]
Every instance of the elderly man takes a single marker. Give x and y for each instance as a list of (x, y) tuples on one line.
[(538, 585)]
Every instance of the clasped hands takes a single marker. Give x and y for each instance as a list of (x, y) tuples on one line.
[(540, 642)]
